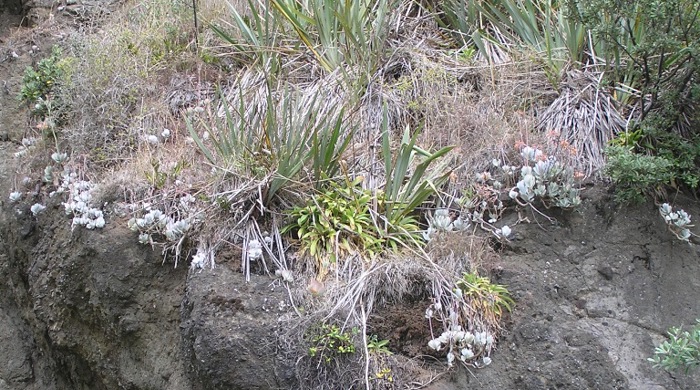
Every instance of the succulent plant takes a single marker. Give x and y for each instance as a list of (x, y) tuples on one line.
[(678, 221), (79, 203), (15, 196), (442, 221), (547, 179), (58, 157), (468, 344), (37, 208), (255, 251)]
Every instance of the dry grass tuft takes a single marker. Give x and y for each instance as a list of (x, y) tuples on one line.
[(585, 116), (113, 98), (358, 288)]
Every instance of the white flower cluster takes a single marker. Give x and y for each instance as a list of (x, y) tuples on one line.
[(677, 221), (463, 345), (79, 203), (543, 178), (156, 222), (442, 221)]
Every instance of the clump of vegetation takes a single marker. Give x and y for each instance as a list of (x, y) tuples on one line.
[(681, 351), (271, 138), (39, 83), (634, 175), (334, 136), (470, 317), (540, 181), (656, 73), (122, 78), (376, 346), (544, 178), (652, 47), (332, 342), (336, 222)]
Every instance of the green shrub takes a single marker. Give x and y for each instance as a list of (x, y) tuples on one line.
[(636, 175), (652, 46), (683, 153), (37, 84), (682, 350), (331, 342), (336, 221)]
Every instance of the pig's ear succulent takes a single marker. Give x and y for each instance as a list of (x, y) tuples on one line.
[(678, 222), (546, 179), (37, 208), (15, 196)]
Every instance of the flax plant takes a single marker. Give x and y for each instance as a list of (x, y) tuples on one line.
[(543, 26), (258, 35), (339, 32), (408, 182), (274, 140)]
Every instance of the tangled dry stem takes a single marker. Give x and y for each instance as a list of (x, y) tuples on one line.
[(586, 116)]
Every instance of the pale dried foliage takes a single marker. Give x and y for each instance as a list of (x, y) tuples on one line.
[(357, 288), (113, 98), (586, 116)]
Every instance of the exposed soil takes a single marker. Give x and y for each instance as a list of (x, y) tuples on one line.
[(595, 292)]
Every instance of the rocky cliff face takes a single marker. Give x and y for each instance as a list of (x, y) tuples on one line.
[(95, 310), (80, 309), (13, 6), (77, 295)]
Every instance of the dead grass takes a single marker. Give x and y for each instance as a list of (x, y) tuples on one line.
[(586, 117), (357, 289), (114, 95)]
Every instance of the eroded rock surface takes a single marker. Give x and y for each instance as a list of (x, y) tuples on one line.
[(595, 293), (229, 331)]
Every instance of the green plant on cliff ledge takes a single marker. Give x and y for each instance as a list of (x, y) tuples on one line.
[(376, 346), (334, 222), (636, 175), (332, 342), (682, 350), (37, 83)]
